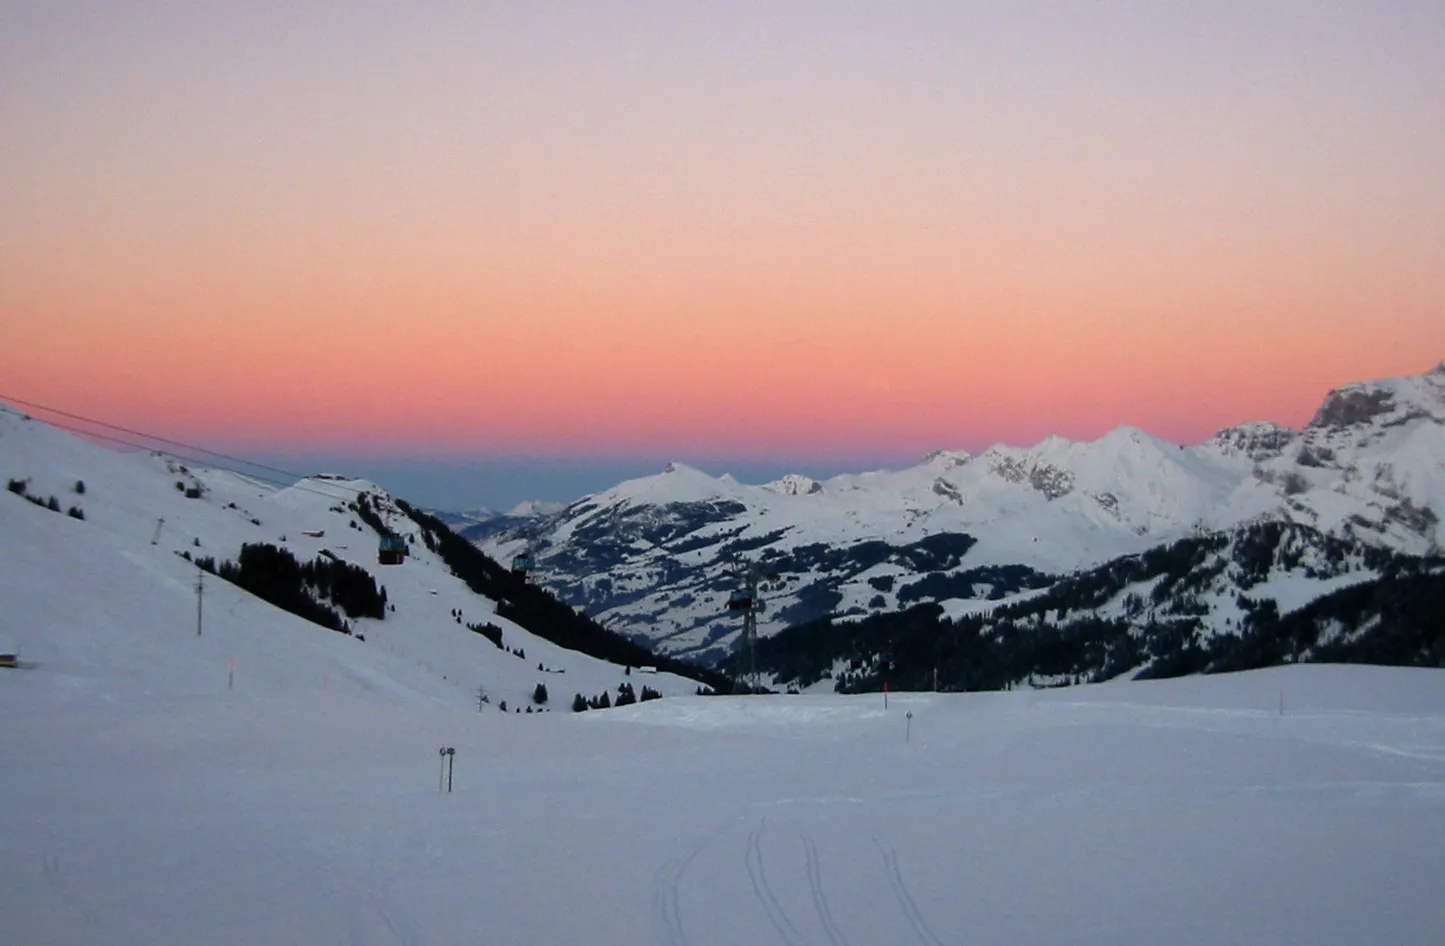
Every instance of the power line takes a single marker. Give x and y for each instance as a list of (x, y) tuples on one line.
[(155, 437), (267, 480), (293, 480)]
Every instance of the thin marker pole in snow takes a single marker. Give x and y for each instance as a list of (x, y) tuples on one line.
[(885, 695), (444, 776), (200, 593), (908, 727), (231, 676), (1281, 701)]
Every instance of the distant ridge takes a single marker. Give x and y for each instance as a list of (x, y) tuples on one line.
[(650, 553)]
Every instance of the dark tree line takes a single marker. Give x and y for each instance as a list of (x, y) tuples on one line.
[(1397, 620), (626, 696), (1059, 636), (274, 575), (348, 586), (366, 514)]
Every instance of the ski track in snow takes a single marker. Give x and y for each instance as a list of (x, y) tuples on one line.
[(906, 903), (767, 898), (55, 878), (666, 896), (820, 898), (400, 933), (373, 919)]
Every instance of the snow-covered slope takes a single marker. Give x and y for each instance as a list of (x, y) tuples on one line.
[(108, 601), (650, 554), (1298, 805)]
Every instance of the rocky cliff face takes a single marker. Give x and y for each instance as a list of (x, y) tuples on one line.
[(1257, 441)]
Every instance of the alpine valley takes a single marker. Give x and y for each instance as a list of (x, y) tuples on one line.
[(1050, 564)]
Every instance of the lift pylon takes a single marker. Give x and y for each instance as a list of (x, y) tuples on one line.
[(744, 600)]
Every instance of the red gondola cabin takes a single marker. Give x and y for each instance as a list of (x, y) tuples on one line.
[(392, 550)]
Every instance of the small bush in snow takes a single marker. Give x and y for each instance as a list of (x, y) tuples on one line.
[(79, 487), (75, 512), (18, 487)]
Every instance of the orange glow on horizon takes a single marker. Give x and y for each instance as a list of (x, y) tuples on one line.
[(876, 236)]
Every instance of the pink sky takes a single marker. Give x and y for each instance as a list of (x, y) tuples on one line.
[(649, 229)]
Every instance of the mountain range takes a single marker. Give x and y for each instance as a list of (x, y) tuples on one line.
[(651, 557)]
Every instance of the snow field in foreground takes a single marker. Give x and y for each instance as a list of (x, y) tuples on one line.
[(1182, 812)]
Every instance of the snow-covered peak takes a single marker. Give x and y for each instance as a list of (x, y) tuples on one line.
[(677, 483), (944, 460), (794, 484), (535, 507), (1123, 458)]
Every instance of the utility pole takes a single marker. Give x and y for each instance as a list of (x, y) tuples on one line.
[(750, 634), (200, 594)]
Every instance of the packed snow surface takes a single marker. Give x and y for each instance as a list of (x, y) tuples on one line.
[(1182, 812)]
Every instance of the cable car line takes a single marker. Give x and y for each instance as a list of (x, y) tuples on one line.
[(294, 482), (391, 548), (140, 433), (210, 464)]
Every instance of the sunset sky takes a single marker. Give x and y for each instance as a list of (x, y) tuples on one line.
[(584, 237)]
